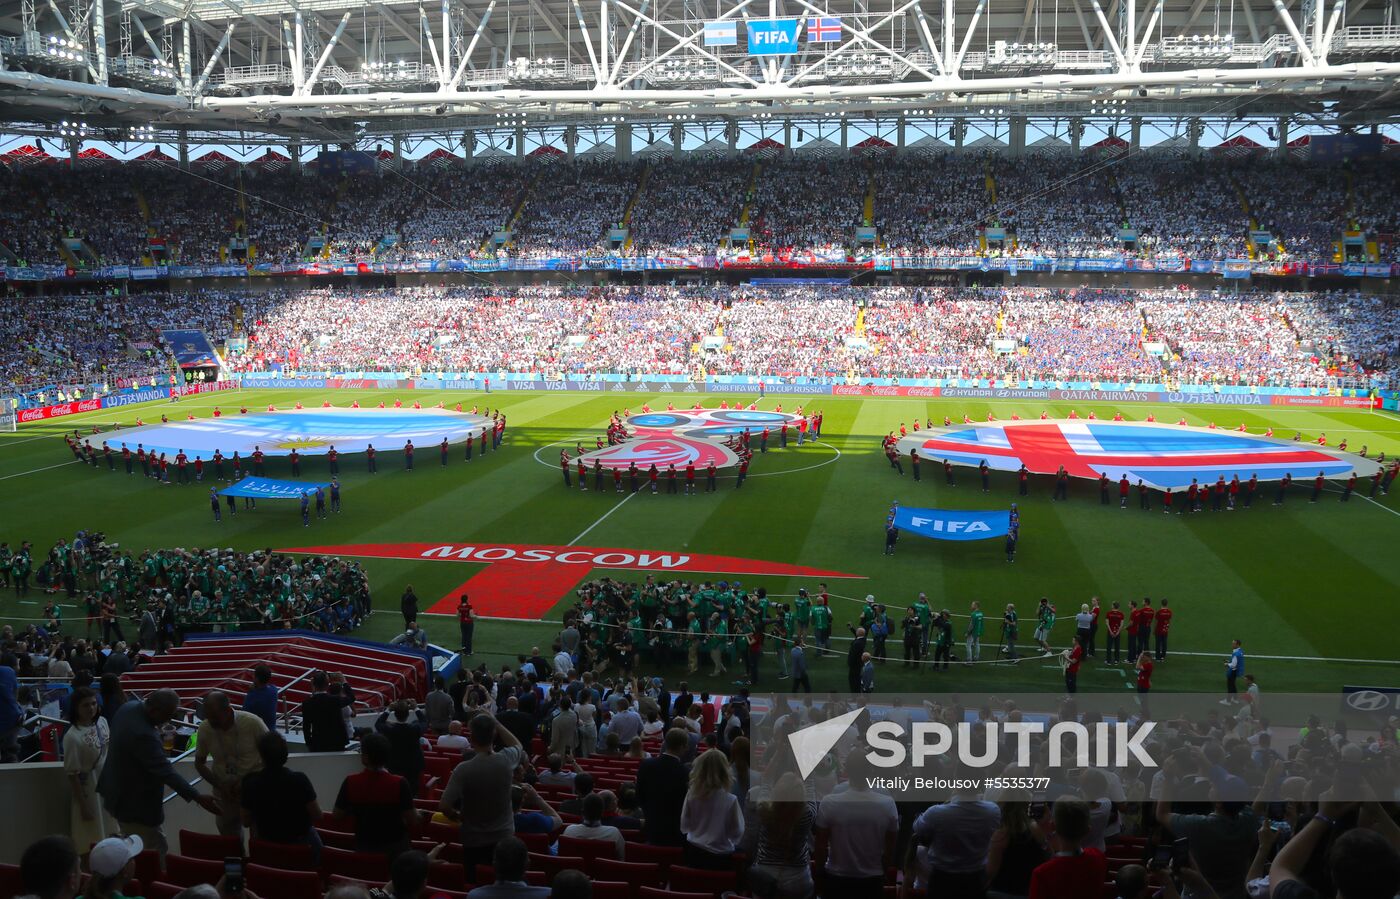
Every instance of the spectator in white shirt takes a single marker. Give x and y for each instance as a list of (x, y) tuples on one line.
[(453, 740), (711, 818), (593, 827), (856, 830)]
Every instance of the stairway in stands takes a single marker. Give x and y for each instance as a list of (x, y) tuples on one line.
[(379, 674)]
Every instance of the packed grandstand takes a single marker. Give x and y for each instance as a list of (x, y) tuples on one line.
[(1174, 208), (826, 334)]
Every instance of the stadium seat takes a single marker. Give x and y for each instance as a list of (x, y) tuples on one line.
[(553, 864), (588, 849), (371, 866), (159, 890), (287, 856), (606, 889), (10, 883), (182, 870), (337, 838), (447, 875), (210, 846), (699, 880), (148, 868), (487, 874), (657, 893), (639, 874), (274, 883), (665, 856), (536, 842)]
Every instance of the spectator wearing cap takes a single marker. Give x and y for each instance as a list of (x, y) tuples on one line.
[(113, 863)]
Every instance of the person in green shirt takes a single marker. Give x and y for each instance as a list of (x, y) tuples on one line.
[(943, 644), (696, 631), (821, 623), (719, 640), (802, 607), (921, 608), (1009, 629), (974, 634), (1045, 621)]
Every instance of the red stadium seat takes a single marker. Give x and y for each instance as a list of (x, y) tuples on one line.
[(287, 856), (184, 871), (274, 883), (605, 889), (148, 868), (665, 856), (160, 890), (209, 846), (655, 893), (553, 864), (447, 875), (699, 880), (337, 838), (487, 874), (639, 874), (11, 885), (588, 849), (371, 866), (536, 842)]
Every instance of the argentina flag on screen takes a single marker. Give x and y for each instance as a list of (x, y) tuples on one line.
[(721, 34)]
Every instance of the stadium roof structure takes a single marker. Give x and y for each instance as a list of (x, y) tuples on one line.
[(338, 71)]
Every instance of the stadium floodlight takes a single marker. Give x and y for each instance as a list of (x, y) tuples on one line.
[(676, 70), (64, 51), (860, 65), (73, 129), (1018, 55), (1196, 48), (141, 133)]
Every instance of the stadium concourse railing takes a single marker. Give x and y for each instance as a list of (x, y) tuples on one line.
[(1240, 268)]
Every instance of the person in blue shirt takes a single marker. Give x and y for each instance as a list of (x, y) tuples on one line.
[(335, 496), (11, 715), (320, 502), (306, 508), (1234, 669), (261, 699), (539, 817)]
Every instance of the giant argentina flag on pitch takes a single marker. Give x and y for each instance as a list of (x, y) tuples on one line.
[(950, 524), (1160, 455)]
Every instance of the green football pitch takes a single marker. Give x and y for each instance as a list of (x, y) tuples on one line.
[(1308, 588)]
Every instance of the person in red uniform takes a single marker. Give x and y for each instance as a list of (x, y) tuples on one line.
[(1162, 623), (1113, 645), (582, 476), (743, 472), (689, 478), (1167, 501), (408, 455), (617, 478), (1151, 417), (1318, 483), (948, 473), (1023, 476), (1283, 486), (198, 468), (652, 475), (1073, 657), (1351, 485), (1191, 497), (1103, 488), (1118, 416), (1218, 494), (563, 466), (1073, 872), (671, 474), (442, 452), (295, 459), (1123, 488), (1142, 620), (126, 458), (1073, 414), (181, 460), (986, 474), (257, 461), (370, 464), (1043, 415), (217, 413)]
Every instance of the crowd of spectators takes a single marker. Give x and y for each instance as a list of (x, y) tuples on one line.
[(74, 347), (923, 205), (572, 763)]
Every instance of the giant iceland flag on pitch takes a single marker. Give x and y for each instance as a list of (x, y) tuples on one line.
[(951, 524)]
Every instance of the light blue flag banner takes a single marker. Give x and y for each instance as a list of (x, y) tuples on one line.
[(772, 37), (951, 524), (271, 488), (721, 34)]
